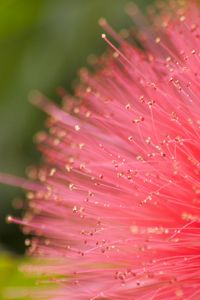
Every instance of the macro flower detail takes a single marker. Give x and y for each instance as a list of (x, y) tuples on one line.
[(115, 206)]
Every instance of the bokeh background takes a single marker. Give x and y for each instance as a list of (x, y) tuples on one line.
[(43, 44)]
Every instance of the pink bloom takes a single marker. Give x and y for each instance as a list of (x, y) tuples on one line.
[(117, 208)]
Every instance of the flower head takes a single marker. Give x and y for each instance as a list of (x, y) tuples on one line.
[(117, 209)]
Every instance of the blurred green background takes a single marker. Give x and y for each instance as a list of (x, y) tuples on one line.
[(43, 43)]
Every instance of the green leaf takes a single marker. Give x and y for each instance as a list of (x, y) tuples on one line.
[(14, 284)]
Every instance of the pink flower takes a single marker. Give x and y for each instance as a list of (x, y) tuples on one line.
[(115, 208)]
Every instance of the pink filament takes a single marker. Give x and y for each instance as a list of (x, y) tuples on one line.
[(119, 216)]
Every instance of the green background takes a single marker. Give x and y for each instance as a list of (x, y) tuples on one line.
[(43, 43)]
